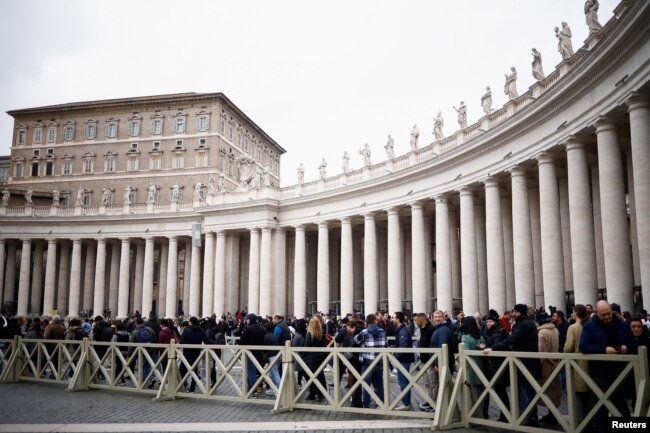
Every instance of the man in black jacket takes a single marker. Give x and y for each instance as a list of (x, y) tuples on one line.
[(252, 335), (193, 334), (426, 331), (523, 339)]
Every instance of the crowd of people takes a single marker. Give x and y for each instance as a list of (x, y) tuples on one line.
[(603, 330)]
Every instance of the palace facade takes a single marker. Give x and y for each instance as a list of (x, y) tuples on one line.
[(172, 202)]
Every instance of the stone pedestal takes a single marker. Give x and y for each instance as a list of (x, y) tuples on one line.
[(460, 137), (321, 185), (390, 166), (365, 173), (101, 210), (413, 158), (510, 108), (485, 123), (126, 209), (344, 179), (593, 39), (150, 207), (564, 67), (173, 206), (78, 210), (196, 203), (3, 210), (54, 210)]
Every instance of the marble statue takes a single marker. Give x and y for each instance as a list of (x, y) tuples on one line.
[(591, 15), (176, 192), (211, 184), (266, 175), (127, 195), (28, 196), (106, 196), (151, 193), (462, 115), (510, 88), (5, 197), (390, 147), (301, 174), (80, 196), (365, 152), (256, 182), (564, 45), (221, 183), (486, 101), (538, 72), (415, 135), (438, 124), (322, 169), (346, 162), (56, 195), (197, 190)]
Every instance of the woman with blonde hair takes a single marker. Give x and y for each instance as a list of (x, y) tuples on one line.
[(315, 338)]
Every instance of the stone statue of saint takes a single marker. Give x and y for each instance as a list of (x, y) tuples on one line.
[(176, 192), (510, 88), (390, 147), (151, 193), (462, 115), (591, 14), (266, 175), (415, 136), (564, 45), (28, 196), (322, 169), (80, 196), (221, 183), (346, 162), (56, 195), (486, 101), (538, 72), (5, 197), (301, 174), (197, 190), (438, 124), (106, 196), (127, 195), (365, 152), (211, 184), (256, 182)]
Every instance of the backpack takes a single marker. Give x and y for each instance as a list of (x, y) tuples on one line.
[(145, 335)]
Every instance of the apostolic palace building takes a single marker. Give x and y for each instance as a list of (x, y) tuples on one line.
[(173, 203)]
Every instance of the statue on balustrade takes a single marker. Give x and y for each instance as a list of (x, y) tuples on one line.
[(198, 186), (564, 45), (128, 195), (510, 88), (5, 197), (28, 196), (176, 192), (322, 169), (538, 71), (106, 196), (80, 196), (346, 162), (486, 101), (221, 183), (212, 184), (462, 115), (266, 175), (56, 195), (151, 193), (390, 148), (415, 136), (591, 15), (438, 124), (256, 181), (365, 152), (301, 174)]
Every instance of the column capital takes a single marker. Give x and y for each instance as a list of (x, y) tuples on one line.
[(369, 216), (221, 233), (545, 158), (491, 182), (345, 220), (575, 143), (299, 227), (322, 224), (441, 198), (253, 229), (466, 190), (124, 240), (637, 100), (418, 204), (266, 229), (209, 233), (518, 171), (148, 238), (26, 240), (393, 210), (603, 123)]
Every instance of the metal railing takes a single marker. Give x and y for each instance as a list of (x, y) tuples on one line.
[(239, 373)]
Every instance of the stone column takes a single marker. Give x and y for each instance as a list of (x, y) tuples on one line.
[(208, 276), (394, 255), (125, 271), (114, 278), (254, 273), (418, 261), (616, 243), (266, 273), (280, 274), (469, 264), (63, 282), (147, 278), (536, 232), (496, 267), (187, 274), (89, 277), (522, 239), (195, 282), (347, 267), (456, 279), (161, 305), (171, 302), (233, 271), (37, 279), (370, 272), (563, 190), (639, 109), (598, 225), (75, 279), (23, 280), (219, 301), (631, 206), (300, 274), (2, 268), (100, 277), (508, 250), (323, 269), (443, 255), (481, 257), (583, 247), (139, 277), (10, 273), (551, 234), (50, 277)]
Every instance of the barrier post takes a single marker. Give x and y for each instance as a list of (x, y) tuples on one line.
[(287, 392), (167, 390), (642, 407), (81, 378), (14, 364)]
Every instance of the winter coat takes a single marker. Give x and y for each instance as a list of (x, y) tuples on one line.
[(442, 335), (471, 343), (572, 345), (253, 335), (404, 340), (596, 336), (549, 342), (193, 334), (314, 359), (523, 339)]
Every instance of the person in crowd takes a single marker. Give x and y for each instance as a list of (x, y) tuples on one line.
[(523, 339), (506, 320), (430, 377), (548, 338), (299, 341), (120, 336), (252, 335), (371, 337), (495, 333), (345, 338), (640, 334), (54, 331), (572, 345), (403, 340), (73, 333), (442, 334), (472, 340), (315, 338), (607, 334), (193, 334), (145, 335), (154, 324), (616, 310), (35, 333), (281, 334)]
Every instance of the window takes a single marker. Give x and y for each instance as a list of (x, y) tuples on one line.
[(50, 151), (157, 126), (49, 168), (134, 127), (37, 152), (156, 145), (154, 162), (178, 160), (202, 142), (4, 174), (111, 129), (202, 159), (51, 134), (18, 169), (109, 165), (179, 144), (231, 131), (21, 136), (132, 163), (38, 132), (65, 200), (86, 199), (203, 123), (34, 169), (91, 131), (179, 125), (67, 166), (222, 126), (134, 146), (89, 164), (68, 133)]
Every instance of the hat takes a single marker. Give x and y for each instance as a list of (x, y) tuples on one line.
[(616, 307), (543, 317), (493, 315), (56, 318), (99, 319), (522, 308), (252, 317)]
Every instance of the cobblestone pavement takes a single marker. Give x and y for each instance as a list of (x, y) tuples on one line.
[(31, 407)]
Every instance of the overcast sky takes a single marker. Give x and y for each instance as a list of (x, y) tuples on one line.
[(319, 77)]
